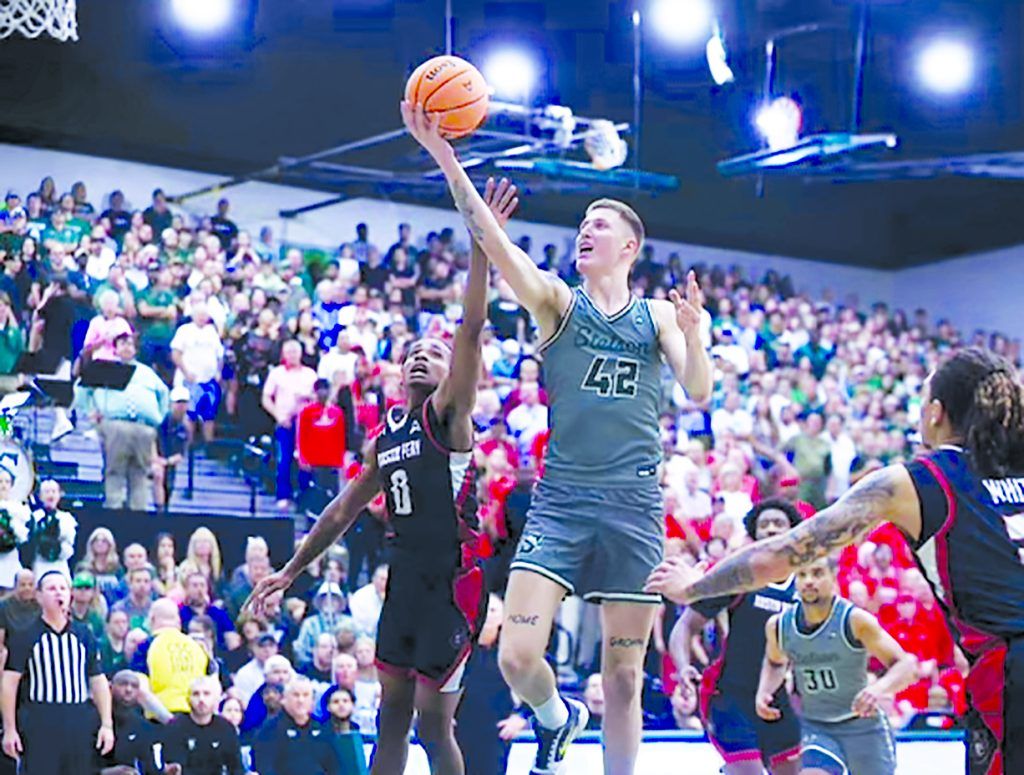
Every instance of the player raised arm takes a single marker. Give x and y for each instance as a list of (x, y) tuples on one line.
[(543, 294), (679, 336), (773, 672), (887, 494), (902, 667), (336, 518), (457, 391)]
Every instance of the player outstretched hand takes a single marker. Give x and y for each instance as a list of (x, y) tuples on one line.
[(673, 577), (264, 588), (502, 198), (425, 128), (689, 308), (865, 704), (765, 709)]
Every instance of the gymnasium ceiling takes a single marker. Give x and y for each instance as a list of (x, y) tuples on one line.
[(310, 74)]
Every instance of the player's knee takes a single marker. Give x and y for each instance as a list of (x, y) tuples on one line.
[(622, 681), (517, 661), (433, 727)]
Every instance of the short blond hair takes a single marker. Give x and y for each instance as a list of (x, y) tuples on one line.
[(627, 213)]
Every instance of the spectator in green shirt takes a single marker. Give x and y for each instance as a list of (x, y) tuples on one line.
[(12, 338), (60, 234), (158, 315)]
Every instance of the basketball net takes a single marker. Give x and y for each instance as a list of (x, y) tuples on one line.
[(33, 18)]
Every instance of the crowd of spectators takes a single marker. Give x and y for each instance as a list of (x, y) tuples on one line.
[(250, 338)]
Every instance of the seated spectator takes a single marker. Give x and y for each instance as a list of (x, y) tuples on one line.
[(266, 702), (203, 555), (252, 675), (319, 671), (202, 743), (198, 603), (88, 606), (105, 328), (366, 603), (112, 656), (137, 603), (256, 569), (328, 605), (133, 735), (293, 742), (170, 658), (19, 609)]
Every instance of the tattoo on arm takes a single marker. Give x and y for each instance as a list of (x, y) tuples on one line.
[(530, 621), (626, 643), (831, 529), (462, 202)]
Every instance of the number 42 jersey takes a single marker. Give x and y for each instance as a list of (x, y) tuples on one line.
[(603, 375), (430, 490)]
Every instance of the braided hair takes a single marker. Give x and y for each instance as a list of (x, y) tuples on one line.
[(984, 400)]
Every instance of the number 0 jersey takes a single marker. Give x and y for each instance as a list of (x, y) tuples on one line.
[(603, 377), (430, 490)]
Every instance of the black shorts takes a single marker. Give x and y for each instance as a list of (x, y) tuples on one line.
[(739, 734), (429, 623)]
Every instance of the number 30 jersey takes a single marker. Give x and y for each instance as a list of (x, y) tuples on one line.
[(430, 490), (603, 376)]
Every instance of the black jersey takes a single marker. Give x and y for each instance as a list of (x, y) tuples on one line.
[(739, 665), (971, 546), (430, 490)]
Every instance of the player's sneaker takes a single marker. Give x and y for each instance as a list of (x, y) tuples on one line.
[(553, 744)]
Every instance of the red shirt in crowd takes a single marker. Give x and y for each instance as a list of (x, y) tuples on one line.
[(321, 436)]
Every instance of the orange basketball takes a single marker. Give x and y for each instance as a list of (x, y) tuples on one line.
[(452, 88)]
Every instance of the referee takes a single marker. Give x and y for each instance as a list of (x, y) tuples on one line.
[(54, 729)]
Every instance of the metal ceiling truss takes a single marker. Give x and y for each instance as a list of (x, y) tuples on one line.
[(535, 142)]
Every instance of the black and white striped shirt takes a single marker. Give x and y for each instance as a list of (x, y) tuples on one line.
[(58, 664)]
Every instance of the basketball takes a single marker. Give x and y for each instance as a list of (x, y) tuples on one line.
[(452, 88)]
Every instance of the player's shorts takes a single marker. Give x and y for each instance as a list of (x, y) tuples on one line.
[(860, 746), (205, 400), (739, 734), (995, 723), (598, 542), (428, 625)]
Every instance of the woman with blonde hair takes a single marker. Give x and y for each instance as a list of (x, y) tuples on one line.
[(101, 561), (203, 556)]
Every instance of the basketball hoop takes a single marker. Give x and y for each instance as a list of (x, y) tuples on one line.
[(32, 18)]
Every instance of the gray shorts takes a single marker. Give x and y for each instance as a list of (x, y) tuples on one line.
[(597, 542), (864, 745)]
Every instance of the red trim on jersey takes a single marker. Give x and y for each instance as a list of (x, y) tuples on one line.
[(393, 670), (787, 755), (941, 547), (430, 431), (437, 683)]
